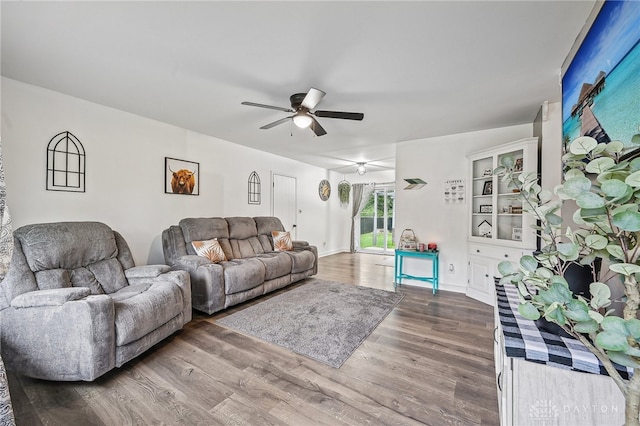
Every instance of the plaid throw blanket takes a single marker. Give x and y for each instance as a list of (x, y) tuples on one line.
[(523, 339)]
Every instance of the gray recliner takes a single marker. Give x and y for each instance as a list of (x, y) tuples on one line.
[(73, 305)]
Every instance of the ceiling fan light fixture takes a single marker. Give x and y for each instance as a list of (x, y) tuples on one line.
[(362, 169), (302, 120)]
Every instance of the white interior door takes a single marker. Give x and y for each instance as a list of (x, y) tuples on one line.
[(284, 202)]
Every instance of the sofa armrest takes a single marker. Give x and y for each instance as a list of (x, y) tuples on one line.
[(146, 271), (207, 282), (300, 244), (191, 262), (52, 297), (74, 340)]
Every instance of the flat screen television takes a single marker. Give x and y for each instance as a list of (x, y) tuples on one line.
[(601, 76)]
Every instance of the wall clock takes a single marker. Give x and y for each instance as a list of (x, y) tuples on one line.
[(324, 190)]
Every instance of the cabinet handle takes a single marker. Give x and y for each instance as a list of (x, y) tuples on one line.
[(495, 338), (486, 275), (498, 381), (506, 255), (477, 251)]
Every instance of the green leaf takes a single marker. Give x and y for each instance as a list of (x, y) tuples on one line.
[(499, 170), (528, 263), (612, 341), (589, 326), (626, 269), (553, 219), (507, 161), (528, 311), (627, 221), (569, 251), (633, 179), (614, 188), (634, 164), (633, 327), (623, 359), (577, 310), (600, 165), (615, 251), (582, 145), (507, 268), (589, 200), (596, 242), (615, 147), (575, 186), (635, 139), (614, 324)]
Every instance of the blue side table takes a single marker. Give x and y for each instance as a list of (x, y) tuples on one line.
[(429, 255)]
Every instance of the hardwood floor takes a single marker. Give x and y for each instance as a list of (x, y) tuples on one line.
[(429, 362)]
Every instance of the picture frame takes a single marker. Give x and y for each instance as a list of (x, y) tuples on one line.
[(181, 176), (516, 234), (487, 188), (486, 208), (518, 165)]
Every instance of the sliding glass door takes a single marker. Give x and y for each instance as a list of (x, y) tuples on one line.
[(377, 225)]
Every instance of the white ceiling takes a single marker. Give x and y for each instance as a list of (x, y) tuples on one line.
[(415, 69)]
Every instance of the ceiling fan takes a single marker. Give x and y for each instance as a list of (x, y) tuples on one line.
[(301, 106)]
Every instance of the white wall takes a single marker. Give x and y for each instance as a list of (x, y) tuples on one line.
[(424, 210), (125, 173)]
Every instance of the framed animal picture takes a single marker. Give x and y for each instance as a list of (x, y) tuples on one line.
[(181, 177)]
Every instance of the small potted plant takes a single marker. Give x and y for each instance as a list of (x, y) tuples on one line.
[(605, 185), (344, 188)]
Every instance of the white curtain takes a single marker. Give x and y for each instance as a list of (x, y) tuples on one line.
[(361, 193), (6, 250)]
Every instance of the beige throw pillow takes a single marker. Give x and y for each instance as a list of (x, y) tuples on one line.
[(210, 249), (282, 241)]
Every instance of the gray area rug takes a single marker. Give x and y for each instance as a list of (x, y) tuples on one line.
[(322, 320)]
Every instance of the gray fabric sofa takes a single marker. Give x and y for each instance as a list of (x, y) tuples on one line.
[(73, 305), (252, 267)]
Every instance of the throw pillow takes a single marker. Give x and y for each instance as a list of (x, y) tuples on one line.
[(282, 241), (210, 249)]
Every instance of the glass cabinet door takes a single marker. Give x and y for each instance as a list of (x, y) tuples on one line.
[(482, 198), (509, 207)]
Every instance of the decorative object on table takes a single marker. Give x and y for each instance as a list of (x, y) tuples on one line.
[(324, 190), (487, 172), (432, 247), (181, 177), (408, 240), (608, 222), (454, 191), (414, 183), (484, 229), (66, 162), (344, 189), (323, 320), (254, 191), (516, 234), (486, 208), (421, 246), (487, 188)]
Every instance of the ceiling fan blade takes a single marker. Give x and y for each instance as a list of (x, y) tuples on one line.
[(317, 128), (275, 123), (340, 114), (313, 98), (267, 106)]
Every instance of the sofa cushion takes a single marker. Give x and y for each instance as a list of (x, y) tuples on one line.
[(302, 260), (276, 264), (210, 249), (246, 248), (53, 278), (266, 224), (241, 228), (66, 245), (200, 229), (242, 274), (141, 308), (82, 277), (282, 241)]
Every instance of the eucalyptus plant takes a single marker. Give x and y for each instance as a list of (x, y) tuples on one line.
[(344, 188), (605, 186)]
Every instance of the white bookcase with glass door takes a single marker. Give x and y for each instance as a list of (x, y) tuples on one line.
[(496, 214), (498, 228)]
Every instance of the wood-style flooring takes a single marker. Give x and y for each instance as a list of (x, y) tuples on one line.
[(429, 362)]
